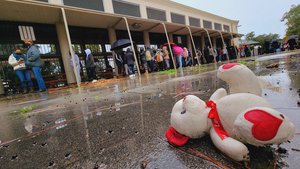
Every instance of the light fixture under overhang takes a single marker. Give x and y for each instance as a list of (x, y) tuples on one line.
[(136, 25)]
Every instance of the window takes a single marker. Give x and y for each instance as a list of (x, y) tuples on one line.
[(47, 49), (207, 24), (218, 26), (95, 48), (107, 47), (226, 28), (42, 0), (6, 50), (177, 18), (156, 14), (88, 4), (139, 46), (194, 22), (153, 46), (76, 48), (126, 8)]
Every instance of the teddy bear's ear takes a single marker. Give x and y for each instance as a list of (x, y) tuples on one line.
[(193, 104)]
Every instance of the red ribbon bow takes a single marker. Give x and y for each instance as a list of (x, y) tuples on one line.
[(215, 119)]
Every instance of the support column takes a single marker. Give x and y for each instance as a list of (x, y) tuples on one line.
[(168, 40), (64, 50), (224, 45), (194, 46), (171, 37), (146, 38), (132, 46), (232, 39), (112, 38), (214, 40), (64, 17), (189, 46)]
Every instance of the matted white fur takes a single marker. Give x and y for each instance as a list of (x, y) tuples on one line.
[(190, 117)]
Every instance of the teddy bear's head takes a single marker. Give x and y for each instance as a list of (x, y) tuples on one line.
[(189, 119)]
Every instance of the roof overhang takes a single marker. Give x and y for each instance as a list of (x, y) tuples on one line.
[(39, 12)]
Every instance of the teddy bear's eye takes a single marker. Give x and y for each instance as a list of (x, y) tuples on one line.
[(183, 112)]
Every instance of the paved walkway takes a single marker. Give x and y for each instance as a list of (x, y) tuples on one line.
[(121, 123)]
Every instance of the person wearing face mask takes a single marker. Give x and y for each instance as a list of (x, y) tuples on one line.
[(17, 60), (35, 62)]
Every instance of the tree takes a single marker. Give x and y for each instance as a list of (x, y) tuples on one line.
[(266, 37), (250, 36), (292, 20)]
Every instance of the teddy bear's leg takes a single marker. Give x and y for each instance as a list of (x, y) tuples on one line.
[(218, 94), (261, 126), (229, 146)]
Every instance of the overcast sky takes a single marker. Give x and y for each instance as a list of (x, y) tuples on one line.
[(260, 16)]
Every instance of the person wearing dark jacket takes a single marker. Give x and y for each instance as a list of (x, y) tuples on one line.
[(34, 61), (130, 61), (119, 61), (143, 59), (90, 66)]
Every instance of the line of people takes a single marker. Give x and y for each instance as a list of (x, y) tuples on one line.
[(209, 55), (150, 60)]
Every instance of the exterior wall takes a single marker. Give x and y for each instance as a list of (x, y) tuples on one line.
[(169, 7), (174, 7)]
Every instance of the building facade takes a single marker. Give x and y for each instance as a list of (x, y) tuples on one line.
[(96, 24)]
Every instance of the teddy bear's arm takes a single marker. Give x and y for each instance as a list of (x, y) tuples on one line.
[(218, 94), (229, 146)]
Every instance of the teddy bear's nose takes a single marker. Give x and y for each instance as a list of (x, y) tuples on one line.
[(183, 112)]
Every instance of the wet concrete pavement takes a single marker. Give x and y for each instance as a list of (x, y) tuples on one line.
[(121, 123)]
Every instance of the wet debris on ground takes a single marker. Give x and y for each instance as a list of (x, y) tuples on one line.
[(281, 150), (14, 157), (51, 164), (273, 65), (295, 149), (144, 164), (27, 109), (68, 155)]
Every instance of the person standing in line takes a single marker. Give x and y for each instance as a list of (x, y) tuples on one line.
[(159, 59), (166, 57), (225, 53), (90, 66), (17, 60), (35, 62), (77, 65), (185, 55), (220, 54), (130, 61), (206, 54), (143, 59), (211, 54), (149, 59), (215, 54), (119, 62), (199, 53)]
